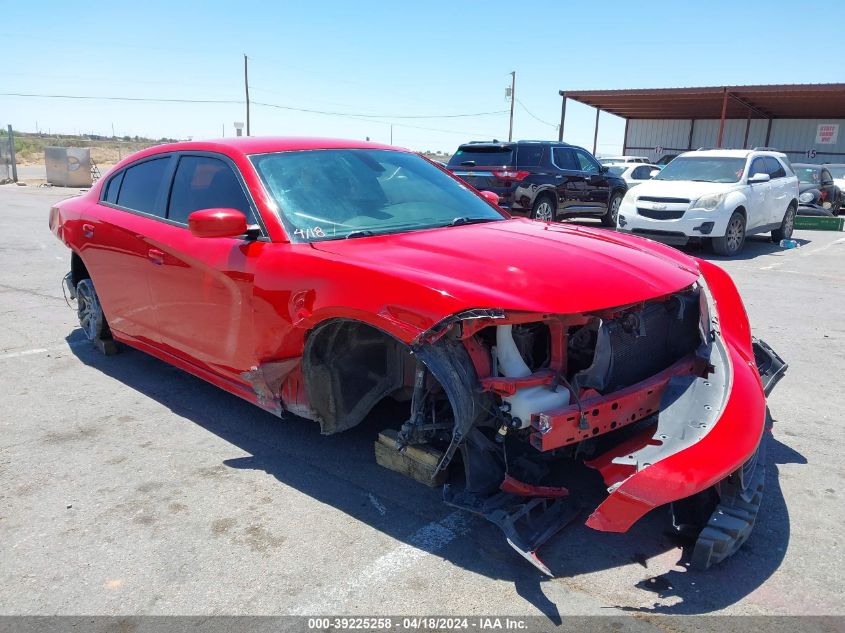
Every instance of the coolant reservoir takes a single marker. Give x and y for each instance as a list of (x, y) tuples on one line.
[(531, 399)]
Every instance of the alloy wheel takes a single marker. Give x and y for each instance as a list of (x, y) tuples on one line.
[(734, 234), (544, 212)]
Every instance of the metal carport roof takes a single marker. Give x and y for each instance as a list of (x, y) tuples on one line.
[(776, 101)]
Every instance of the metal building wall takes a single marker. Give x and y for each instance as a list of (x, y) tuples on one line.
[(796, 137)]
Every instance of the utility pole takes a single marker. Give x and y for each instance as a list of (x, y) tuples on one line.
[(12, 154), (246, 90), (513, 97), (391, 134)]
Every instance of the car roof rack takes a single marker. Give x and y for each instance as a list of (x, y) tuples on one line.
[(766, 149)]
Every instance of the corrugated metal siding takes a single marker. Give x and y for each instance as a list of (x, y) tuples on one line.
[(794, 136), (671, 135)]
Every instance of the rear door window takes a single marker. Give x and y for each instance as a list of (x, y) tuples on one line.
[(493, 156), (529, 155), (203, 182), (143, 184), (564, 158), (112, 188)]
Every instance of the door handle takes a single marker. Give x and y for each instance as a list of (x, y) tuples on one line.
[(155, 256), (88, 230)]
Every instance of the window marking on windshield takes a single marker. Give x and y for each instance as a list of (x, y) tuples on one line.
[(310, 233)]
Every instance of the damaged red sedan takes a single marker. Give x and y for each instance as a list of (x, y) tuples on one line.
[(317, 277)]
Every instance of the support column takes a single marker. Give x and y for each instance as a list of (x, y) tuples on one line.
[(562, 115), (747, 127), (722, 120), (768, 133), (691, 131), (625, 140), (596, 132)]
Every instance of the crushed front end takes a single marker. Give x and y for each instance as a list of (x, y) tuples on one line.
[(666, 399)]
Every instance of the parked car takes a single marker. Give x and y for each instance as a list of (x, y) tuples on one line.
[(817, 188), (720, 195), (543, 179), (633, 173), (837, 170), (318, 277), (610, 160), (666, 159)]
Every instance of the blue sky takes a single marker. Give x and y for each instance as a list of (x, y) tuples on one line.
[(389, 59)]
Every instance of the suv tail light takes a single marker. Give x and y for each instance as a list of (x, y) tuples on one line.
[(511, 175)]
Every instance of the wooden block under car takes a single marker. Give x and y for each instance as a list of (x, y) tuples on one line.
[(417, 462)]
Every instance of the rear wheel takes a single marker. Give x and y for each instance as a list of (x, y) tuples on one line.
[(786, 227), (609, 218), (732, 241), (544, 209)]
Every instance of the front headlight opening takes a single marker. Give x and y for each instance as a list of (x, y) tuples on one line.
[(806, 197), (709, 202)]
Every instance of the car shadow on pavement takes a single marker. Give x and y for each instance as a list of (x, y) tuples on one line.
[(340, 471)]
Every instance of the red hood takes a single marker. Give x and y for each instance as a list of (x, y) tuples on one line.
[(525, 265)]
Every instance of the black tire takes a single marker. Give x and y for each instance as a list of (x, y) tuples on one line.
[(837, 205), (544, 209), (732, 521), (91, 317), (609, 218), (733, 240), (787, 226)]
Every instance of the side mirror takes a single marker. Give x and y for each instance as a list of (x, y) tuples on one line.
[(653, 173), (490, 196), (217, 223), (605, 169), (758, 177)]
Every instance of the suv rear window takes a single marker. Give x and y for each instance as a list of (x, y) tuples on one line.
[(493, 156)]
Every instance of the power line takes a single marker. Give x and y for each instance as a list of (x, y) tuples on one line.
[(533, 116), (95, 98), (379, 116), (268, 105)]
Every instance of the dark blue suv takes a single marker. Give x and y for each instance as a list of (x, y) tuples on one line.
[(543, 179)]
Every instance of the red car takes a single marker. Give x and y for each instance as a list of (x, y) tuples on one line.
[(317, 277)]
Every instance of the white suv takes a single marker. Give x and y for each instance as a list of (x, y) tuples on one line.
[(723, 195)]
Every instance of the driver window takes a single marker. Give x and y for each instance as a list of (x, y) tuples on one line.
[(586, 163), (202, 182), (758, 166)]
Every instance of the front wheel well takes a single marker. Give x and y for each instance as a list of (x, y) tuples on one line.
[(741, 209), (349, 367)]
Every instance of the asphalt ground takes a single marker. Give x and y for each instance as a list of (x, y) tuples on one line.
[(130, 487)]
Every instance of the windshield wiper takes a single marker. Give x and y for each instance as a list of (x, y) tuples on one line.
[(465, 220), (361, 233)]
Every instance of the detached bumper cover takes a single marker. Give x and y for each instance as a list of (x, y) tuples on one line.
[(703, 436)]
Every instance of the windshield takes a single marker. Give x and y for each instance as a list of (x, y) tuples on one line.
[(807, 175), (339, 193), (837, 171), (703, 169)]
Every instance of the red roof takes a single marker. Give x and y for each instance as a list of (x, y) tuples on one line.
[(788, 101), (264, 144)]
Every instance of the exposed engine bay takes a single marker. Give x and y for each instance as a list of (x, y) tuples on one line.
[(617, 390)]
